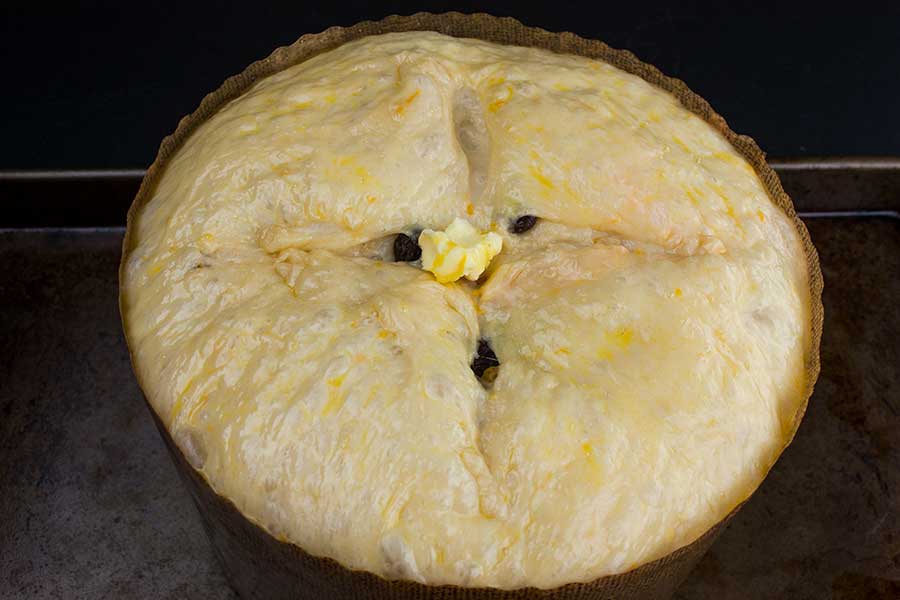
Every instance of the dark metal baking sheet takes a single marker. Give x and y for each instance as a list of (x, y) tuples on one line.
[(90, 506)]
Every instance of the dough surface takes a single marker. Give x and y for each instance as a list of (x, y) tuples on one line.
[(651, 328)]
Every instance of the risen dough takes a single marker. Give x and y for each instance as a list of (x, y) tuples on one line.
[(651, 329)]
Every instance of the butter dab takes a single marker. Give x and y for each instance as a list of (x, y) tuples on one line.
[(458, 251)]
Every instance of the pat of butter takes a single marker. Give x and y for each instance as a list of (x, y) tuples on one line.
[(458, 251)]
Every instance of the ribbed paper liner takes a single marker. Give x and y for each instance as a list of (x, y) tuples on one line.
[(258, 565)]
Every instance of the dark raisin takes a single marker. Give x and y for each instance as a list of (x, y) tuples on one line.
[(406, 249), (523, 224), (484, 358)]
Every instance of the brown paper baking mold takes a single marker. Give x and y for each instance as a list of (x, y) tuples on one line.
[(260, 566)]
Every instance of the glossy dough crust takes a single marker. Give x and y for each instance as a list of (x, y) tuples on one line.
[(652, 328)]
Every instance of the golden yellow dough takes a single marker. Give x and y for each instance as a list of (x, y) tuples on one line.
[(651, 328)]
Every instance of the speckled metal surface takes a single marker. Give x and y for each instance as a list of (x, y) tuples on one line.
[(91, 506)]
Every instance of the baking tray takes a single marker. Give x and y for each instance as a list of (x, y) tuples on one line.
[(91, 506)]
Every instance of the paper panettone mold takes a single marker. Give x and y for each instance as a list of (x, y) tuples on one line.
[(260, 566)]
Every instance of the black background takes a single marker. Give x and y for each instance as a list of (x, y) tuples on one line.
[(98, 86)]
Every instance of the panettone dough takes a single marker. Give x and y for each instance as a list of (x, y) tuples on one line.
[(651, 328)]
